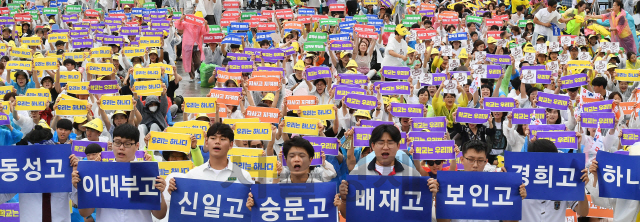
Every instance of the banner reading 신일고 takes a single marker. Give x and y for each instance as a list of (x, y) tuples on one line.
[(170, 141), (252, 131), (100, 68), (198, 133), (31, 103), (48, 63), (116, 102), (304, 126), (199, 105), (168, 167), (72, 108)]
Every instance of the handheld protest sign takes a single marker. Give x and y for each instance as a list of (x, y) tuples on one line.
[(264, 84), (31, 41), (168, 69), (79, 146), (48, 63), (265, 114), (72, 108), (53, 160), (22, 65), (224, 97), (252, 131), (21, 53), (103, 86), (147, 73), (198, 133), (76, 56), (29, 103), (150, 87), (322, 112), (109, 102), (170, 141), (304, 126), (39, 92), (294, 102), (81, 88), (101, 52), (234, 121), (150, 42), (196, 124), (168, 167), (100, 68), (131, 51), (199, 105)]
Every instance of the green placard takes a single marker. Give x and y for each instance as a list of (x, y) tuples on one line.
[(74, 8), (214, 29), (413, 17), (225, 32), (512, 45), (408, 23), (19, 1), (149, 5), (13, 6), (33, 13), (313, 46), (177, 15), (475, 19), (329, 21), (389, 28), (360, 18), (317, 37), (247, 15), (522, 23), (127, 2), (50, 11), (13, 12)]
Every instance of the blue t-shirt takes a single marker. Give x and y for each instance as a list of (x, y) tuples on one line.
[(72, 136), (21, 91)]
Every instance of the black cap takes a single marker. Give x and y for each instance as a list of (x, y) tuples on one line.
[(45, 78), (60, 52), (571, 48), (92, 148), (64, 124), (59, 42), (226, 61)]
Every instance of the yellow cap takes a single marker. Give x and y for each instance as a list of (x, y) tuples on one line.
[(268, 97), (385, 100), (351, 71), (491, 40), (295, 46), (528, 48), (611, 66), (139, 16), (165, 33), (352, 63), (362, 113), (95, 124), (394, 100), (343, 54), (47, 27), (199, 14), (52, 21), (137, 66), (435, 51), (202, 115), (463, 54), (127, 6), (79, 119), (12, 44), (154, 51), (119, 112), (604, 40), (402, 30), (115, 57), (540, 37), (410, 50), (299, 65), (44, 124), (38, 55)]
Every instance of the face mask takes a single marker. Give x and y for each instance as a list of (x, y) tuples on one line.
[(153, 108)]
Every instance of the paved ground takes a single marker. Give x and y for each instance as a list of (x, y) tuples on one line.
[(189, 89)]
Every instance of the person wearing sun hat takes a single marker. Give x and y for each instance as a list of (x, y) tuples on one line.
[(360, 115), (340, 64), (396, 51), (94, 131)]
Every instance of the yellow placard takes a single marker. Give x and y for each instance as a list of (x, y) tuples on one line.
[(3, 47), (116, 103), (76, 56), (41, 92), (322, 112), (5, 89), (168, 69), (31, 103), (54, 37), (170, 141), (197, 124), (258, 167), (23, 65), (21, 53), (199, 105), (578, 64), (48, 63), (147, 88), (70, 107), (101, 52), (100, 68), (246, 152), (147, 73), (32, 41), (168, 167), (252, 131), (245, 120), (131, 51), (198, 133), (629, 75), (150, 41), (5, 107), (70, 76), (81, 88), (67, 97), (304, 126)]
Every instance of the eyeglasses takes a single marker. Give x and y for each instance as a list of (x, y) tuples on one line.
[(259, 145), (390, 144), (479, 162), (436, 162), (126, 145)]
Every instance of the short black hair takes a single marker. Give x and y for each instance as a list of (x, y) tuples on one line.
[(9, 95), (574, 89), (520, 8), (423, 90), (599, 81), (542, 146), (477, 145), (531, 90), (473, 33), (319, 80), (226, 61), (69, 61), (235, 46), (377, 133), (265, 42), (554, 2), (298, 142), (613, 94), (38, 135), (222, 129), (64, 124), (92, 148), (59, 42), (515, 83), (127, 131)]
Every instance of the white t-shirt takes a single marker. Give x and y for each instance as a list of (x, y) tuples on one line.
[(398, 47), (385, 171), (545, 16)]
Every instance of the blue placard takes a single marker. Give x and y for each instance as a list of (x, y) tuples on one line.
[(549, 176), (347, 24), (346, 31), (60, 2), (314, 202), (232, 38), (370, 16), (35, 169), (162, 10), (376, 22), (239, 26), (348, 18), (306, 11), (136, 11), (116, 12), (388, 198), (470, 195), (264, 36), (147, 12), (460, 36), (204, 200), (130, 185), (345, 37), (618, 176)]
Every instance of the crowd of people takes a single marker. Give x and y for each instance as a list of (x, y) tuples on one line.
[(447, 47)]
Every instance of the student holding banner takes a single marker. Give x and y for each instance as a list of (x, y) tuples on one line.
[(153, 113)]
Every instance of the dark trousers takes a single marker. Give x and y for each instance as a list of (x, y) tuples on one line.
[(210, 19), (352, 7), (178, 50), (195, 61)]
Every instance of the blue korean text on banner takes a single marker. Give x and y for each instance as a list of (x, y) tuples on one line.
[(232, 39), (348, 24), (460, 36), (376, 22), (203, 200), (314, 202), (35, 169), (370, 17), (470, 195), (348, 18), (264, 36), (239, 26), (343, 37), (618, 176), (130, 185), (388, 198), (306, 11), (549, 176)]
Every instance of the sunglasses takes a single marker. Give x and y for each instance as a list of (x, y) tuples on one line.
[(436, 162)]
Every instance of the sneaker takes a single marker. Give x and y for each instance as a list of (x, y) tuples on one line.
[(190, 80)]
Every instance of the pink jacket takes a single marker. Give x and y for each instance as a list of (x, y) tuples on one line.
[(192, 34)]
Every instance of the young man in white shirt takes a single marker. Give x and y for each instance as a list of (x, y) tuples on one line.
[(396, 51), (543, 20), (125, 145)]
